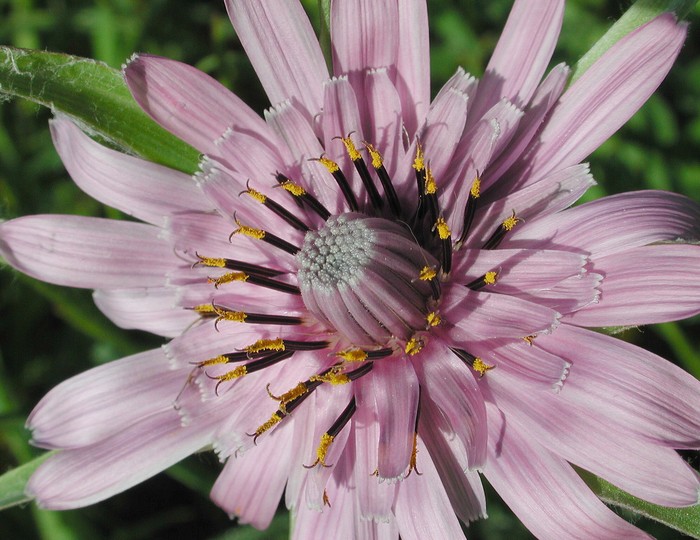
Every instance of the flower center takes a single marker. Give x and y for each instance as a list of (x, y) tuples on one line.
[(367, 278)]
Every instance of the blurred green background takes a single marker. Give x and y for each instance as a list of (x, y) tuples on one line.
[(49, 333)]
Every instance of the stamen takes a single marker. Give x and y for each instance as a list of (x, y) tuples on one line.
[(225, 314), (419, 167), (334, 169), (427, 273), (470, 209), (414, 346), (433, 319), (389, 192), (232, 264), (529, 339), (413, 463), (329, 436), (276, 344), (352, 355), (277, 209), (256, 280), (334, 376), (252, 367), (301, 196), (474, 362), (298, 391), (205, 310), (445, 235), (430, 192), (489, 278), (260, 234), (361, 168), (499, 234), (481, 367)]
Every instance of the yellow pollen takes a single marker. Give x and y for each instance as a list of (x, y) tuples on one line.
[(294, 189), (510, 223), (204, 309), (427, 273), (252, 232), (228, 278), (266, 345), (350, 147), (335, 377), (211, 261), (490, 278), (352, 355), (377, 160), (234, 374), (329, 164), (443, 230), (413, 346), (430, 185), (476, 188), (480, 366), (529, 339), (272, 422), (298, 391), (322, 450), (419, 161), (256, 195), (213, 361), (226, 315), (433, 319)]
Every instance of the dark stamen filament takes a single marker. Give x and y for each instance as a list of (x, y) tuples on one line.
[(301, 196), (278, 209), (267, 237), (342, 182), (470, 210), (500, 233), (389, 191), (361, 168), (232, 264)]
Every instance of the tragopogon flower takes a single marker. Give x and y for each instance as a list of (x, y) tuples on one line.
[(375, 297)]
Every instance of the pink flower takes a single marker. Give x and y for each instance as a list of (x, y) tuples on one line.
[(374, 297)]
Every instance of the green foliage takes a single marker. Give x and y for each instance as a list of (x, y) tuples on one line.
[(48, 333)]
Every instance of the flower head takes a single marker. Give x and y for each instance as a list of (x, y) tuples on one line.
[(375, 297)]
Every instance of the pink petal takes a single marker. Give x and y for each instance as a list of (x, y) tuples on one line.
[(289, 122), (522, 54), (84, 476), (413, 62), (617, 222), (86, 252), (608, 93), (649, 395), (252, 492), (463, 486), (75, 412), (187, 102), (385, 130), (396, 408), (281, 44), (477, 315), (645, 285), (600, 445), (135, 186), (423, 509), (154, 309), (452, 387), (543, 490)]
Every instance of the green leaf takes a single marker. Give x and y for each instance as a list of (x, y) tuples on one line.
[(13, 482), (324, 7), (685, 520), (641, 12), (97, 98)]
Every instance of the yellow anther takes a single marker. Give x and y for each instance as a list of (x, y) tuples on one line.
[(413, 346), (294, 189), (476, 188), (335, 377), (430, 185), (480, 366), (529, 339), (329, 164), (442, 229), (433, 319), (226, 315), (419, 161), (322, 450), (377, 160), (234, 374), (256, 195), (350, 147), (213, 361), (352, 355), (252, 232), (212, 262), (298, 391), (490, 278), (272, 422), (266, 345), (205, 309), (427, 273), (510, 222), (228, 278)]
